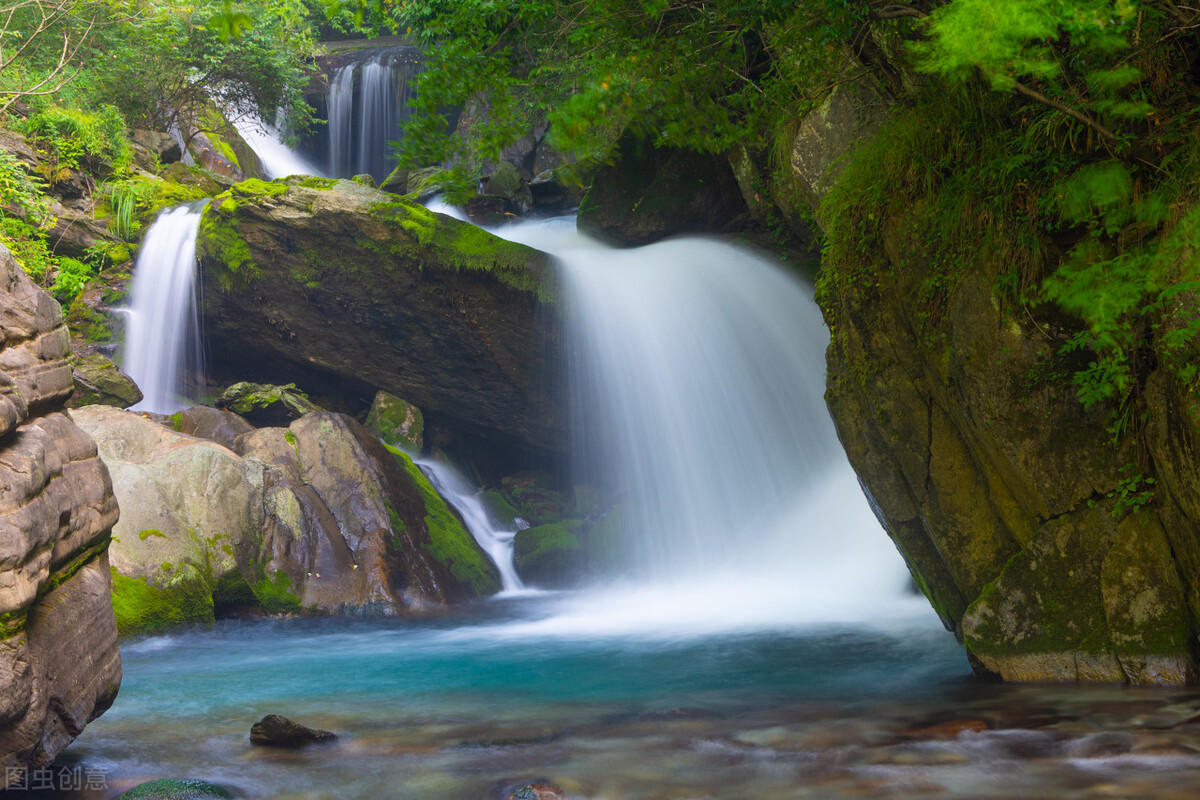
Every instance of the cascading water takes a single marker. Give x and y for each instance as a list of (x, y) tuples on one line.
[(162, 343), (278, 160), (495, 540), (366, 107), (697, 390)]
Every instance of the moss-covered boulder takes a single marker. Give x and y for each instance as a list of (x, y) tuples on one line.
[(338, 285), (263, 404), (395, 421), (357, 527), (551, 556), (319, 515), (99, 382), (650, 193)]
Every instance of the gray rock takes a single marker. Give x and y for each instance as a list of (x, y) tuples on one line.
[(274, 730)]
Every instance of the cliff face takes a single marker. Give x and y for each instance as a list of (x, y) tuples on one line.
[(59, 665), (1054, 548)]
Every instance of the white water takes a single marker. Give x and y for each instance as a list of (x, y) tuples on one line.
[(697, 382), (278, 160), (367, 105), (162, 343), (496, 540)]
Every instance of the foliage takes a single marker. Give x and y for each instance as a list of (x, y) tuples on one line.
[(20, 193), (70, 139)]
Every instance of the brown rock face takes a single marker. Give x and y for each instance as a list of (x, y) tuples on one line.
[(59, 665)]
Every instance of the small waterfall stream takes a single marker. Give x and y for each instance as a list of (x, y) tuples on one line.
[(495, 540), (278, 160), (162, 343)]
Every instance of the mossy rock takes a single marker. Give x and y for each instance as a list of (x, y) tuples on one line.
[(266, 405), (552, 556), (176, 789), (99, 382), (396, 421), (141, 607)]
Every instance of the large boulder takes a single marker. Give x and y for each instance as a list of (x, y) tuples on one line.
[(650, 193), (98, 381), (319, 515), (59, 664), (339, 285), (1031, 533)]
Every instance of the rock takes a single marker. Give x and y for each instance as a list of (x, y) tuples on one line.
[(274, 730), (537, 791), (551, 556), (160, 144), (175, 789), (396, 421), (396, 182), (506, 183), (215, 424), (99, 382), (850, 114), (193, 511), (651, 193), (357, 528), (365, 179), (319, 515), (59, 664), (263, 404), (75, 232), (346, 287), (1000, 490)]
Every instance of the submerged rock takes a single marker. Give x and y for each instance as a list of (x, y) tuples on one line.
[(343, 286), (59, 664), (176, 789), (274, 730)]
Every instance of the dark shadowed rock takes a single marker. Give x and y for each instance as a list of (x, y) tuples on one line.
[(360, 292), (651, 193), (274, 730)]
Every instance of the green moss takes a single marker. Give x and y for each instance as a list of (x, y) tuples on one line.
[(290, 438), (146, 534), (224, 149), (551, 555), (143, 608), (255, 188), (498, 506), (461, 247), (220, 240), (311, 182), (275, 595), (176, 789), (449, 542)]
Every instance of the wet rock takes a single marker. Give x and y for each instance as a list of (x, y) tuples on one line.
[(535, 789), (99, 382), (340, 286), (266, 405), (176, 789), (1102, 745), (950, 729), (274, 730)]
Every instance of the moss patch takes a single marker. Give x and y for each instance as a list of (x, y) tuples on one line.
[(553, 556), (275, 595), (175, 789), (143, 608)]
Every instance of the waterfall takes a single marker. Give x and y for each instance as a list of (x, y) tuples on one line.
[(697, 377), (278, 160), (162, 344), (367, 104), (496, 540)]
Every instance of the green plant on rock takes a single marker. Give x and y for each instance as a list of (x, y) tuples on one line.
[(70, 139)]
